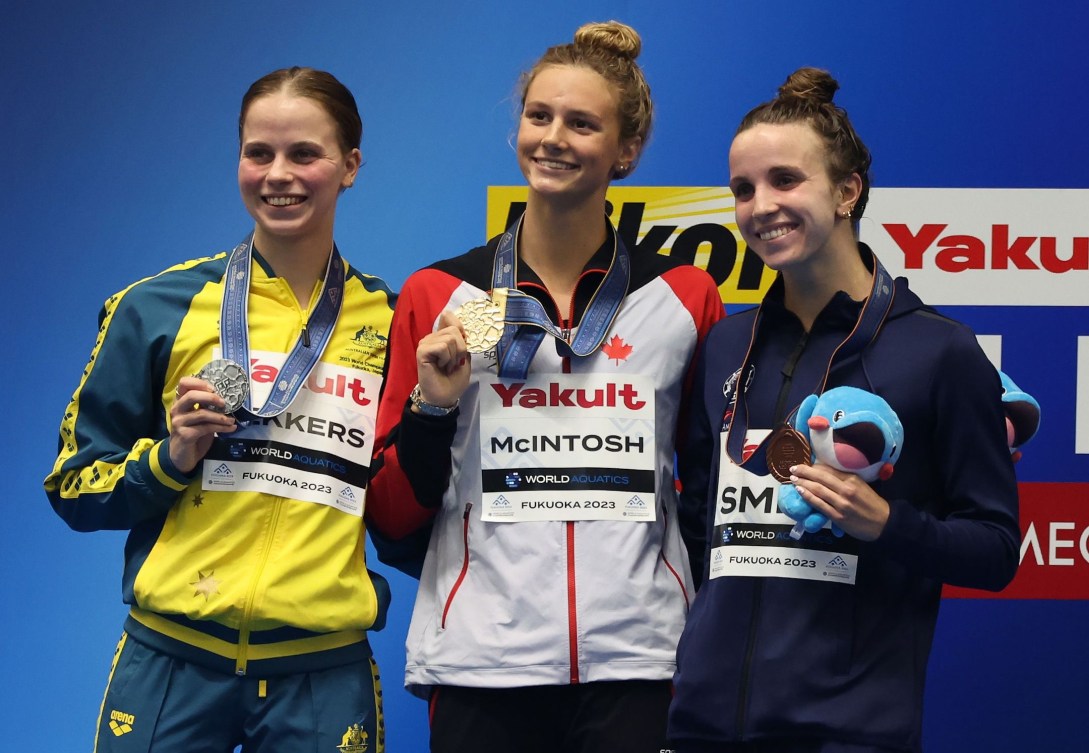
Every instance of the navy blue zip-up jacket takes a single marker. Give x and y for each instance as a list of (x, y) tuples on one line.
[(773, 657)]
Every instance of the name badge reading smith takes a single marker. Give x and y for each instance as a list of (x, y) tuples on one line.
[(751, 537)]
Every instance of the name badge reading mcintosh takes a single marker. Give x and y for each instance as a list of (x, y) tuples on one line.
[(483, 320), (568, 447), (228, 380)]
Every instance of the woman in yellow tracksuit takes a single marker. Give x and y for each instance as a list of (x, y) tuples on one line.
[(225, 419)]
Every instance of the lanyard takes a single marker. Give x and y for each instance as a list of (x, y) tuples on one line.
[(519, 343), (234, 328), (866, 328)]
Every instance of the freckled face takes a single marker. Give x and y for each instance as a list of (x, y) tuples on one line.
[(785, 200), (569, 135), (291, 167)]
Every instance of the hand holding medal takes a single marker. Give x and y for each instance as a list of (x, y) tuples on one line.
[(442, 363), (202, 407)]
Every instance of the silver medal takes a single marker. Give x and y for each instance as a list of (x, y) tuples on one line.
[(229, 381)]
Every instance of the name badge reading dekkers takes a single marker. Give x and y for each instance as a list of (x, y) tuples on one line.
[(483, 320), (228, 380)]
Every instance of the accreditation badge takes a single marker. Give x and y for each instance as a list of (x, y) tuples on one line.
[(317, 450), (752, 538), (568, 447)]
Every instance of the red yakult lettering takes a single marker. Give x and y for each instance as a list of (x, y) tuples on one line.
[(960, 252), (557, 396)]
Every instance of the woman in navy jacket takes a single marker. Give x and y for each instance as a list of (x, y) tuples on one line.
[(820, 643)]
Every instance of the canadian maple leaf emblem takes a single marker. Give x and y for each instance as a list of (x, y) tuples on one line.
[(616, 349)]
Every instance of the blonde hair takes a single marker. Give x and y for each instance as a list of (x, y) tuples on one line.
[(609, 49)]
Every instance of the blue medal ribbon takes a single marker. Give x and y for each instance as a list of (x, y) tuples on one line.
[(531, 322), (870, 319), (234, 329)]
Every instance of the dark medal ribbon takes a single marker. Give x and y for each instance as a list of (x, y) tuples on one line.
[(234, 329), (785, 446), (519, 343)]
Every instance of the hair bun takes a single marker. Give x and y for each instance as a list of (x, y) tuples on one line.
[(812, 84), (613, 36)]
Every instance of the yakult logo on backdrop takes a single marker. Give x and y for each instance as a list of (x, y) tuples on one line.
[(971, 247), (934, 244), (957, 246)]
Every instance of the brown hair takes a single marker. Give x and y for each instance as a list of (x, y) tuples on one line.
[(319, 86), (806, 97), (609, 49)]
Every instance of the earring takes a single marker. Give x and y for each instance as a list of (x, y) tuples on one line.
[(846, 215), (622, 169)]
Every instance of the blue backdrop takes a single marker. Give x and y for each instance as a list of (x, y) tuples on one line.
[(119, 125)]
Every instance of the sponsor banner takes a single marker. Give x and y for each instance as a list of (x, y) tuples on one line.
[(589, 456), (1054, 545), (957, 246), (693, 224), (983, 247)]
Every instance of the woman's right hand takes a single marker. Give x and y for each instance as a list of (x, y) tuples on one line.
[(195, 418), (442, 363)]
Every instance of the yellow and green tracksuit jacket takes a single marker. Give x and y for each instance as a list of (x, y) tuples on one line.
[(245, 582)]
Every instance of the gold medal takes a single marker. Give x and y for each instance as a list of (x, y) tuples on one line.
[(786, 448), (482, 319)]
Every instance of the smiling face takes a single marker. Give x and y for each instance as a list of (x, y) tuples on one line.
[(291, 169), (786, 202), (569, 142)]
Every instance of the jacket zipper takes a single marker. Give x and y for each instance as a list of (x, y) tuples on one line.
[(464, 564), (572, 608), (247, 614), (750, 649), (572, 603)]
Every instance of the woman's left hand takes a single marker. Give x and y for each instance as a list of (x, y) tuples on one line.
[(843, 498)]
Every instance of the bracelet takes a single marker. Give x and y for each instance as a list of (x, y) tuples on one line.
[(428, 409)]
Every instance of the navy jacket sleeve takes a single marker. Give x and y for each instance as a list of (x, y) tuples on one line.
[(970, 536), (113, 470)]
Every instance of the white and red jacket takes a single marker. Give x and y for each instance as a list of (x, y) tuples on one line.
[(551, 602)]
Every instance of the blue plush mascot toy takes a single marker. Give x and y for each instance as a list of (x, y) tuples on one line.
[(850, 429), (1022, 415)]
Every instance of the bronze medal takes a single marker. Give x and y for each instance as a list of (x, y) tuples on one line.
[(229, 381), (483, 320), (786, 448)]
